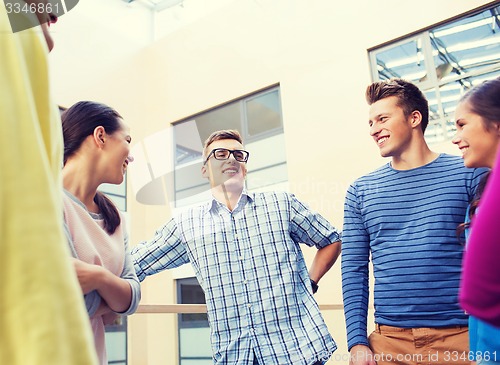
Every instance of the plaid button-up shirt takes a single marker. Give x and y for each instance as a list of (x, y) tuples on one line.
[(253, 273)]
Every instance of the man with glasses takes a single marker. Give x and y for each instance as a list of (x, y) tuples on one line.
[(244, 249)]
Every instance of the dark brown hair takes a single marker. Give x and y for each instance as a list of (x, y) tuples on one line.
[(484, 100), (473, 205), (410, 98), (79, 122)]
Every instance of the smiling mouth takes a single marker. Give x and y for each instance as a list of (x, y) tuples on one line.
[(381, 140)]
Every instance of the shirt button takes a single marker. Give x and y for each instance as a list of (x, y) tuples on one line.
[(241, 258), (245, 282), (249, 305)]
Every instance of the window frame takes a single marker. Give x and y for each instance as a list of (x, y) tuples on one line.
[(440, 121), (242, 102)]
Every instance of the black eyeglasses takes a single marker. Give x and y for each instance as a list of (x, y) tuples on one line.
[(223, 154)]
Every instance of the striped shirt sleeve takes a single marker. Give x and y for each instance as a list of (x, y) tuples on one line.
[(355, 259)]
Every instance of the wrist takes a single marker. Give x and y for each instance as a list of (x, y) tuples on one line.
[(101, 278)]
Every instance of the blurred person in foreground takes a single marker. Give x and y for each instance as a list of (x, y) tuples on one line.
[(43, 318)]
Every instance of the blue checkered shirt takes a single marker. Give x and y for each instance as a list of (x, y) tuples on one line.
[(254, 276)]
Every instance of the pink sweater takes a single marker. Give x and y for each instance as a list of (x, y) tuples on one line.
[(94, 245), (480, 288)]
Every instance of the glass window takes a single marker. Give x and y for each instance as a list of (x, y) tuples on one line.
[(405, 61), (258, 118), (115, 349), (444, 61), (190, 292), (263, 113), (116, 333), (225, 117), (193, 327), (117, 193)]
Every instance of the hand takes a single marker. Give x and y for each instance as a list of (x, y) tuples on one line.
[(87, 275), (361, 355), (103, 309), (114, 291), (110, 318)]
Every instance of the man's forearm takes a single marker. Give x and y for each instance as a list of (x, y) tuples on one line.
[(324, 260)]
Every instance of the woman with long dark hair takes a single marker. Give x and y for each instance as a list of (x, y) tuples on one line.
[(96, 151), (478, 137)]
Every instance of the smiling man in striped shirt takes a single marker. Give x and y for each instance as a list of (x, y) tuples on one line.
[(244, 249), (405, 216)]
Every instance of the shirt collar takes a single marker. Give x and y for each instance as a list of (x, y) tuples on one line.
[(213, 203)]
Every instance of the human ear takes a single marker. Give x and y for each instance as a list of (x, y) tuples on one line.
[(416, 118), (204, 171), (99, 135), (497, 127)]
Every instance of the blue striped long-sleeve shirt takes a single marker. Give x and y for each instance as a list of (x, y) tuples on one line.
[(249, 263), (406, 220)]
